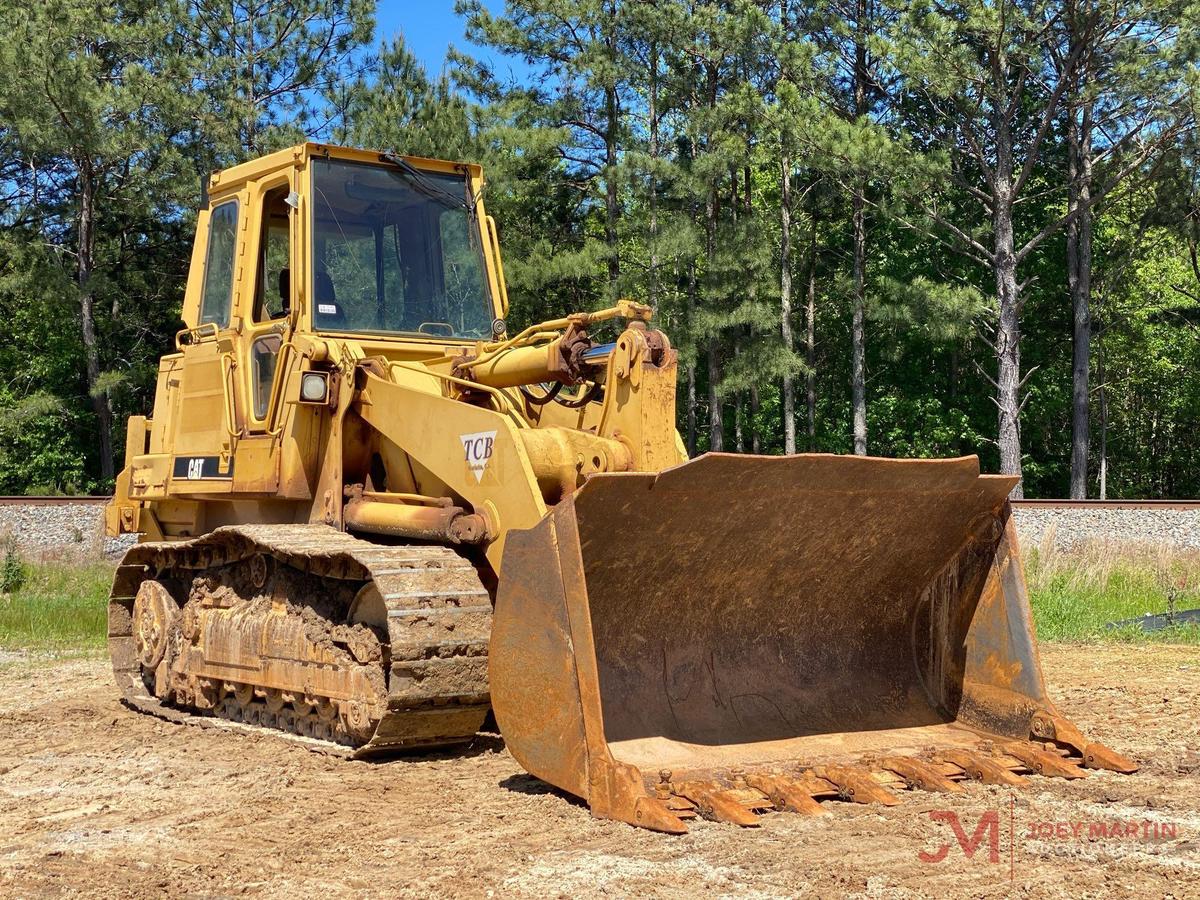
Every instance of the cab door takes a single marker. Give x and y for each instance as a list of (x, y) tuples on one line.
[(265, 352), (206, 419)]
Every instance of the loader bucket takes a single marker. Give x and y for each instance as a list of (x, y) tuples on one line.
[(740, 632)]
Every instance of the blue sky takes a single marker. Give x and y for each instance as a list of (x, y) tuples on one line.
[(430, 26)]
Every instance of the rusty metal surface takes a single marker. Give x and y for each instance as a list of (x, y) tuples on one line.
[(742, 618), (321, 637), (758, 600), (443, 524)]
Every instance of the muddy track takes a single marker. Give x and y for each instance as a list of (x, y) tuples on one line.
[(429, 614)]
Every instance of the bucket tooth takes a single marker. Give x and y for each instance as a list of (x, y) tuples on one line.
[(1043, 762), (815, 786), (652, 813), (982, 768), (1048, 726), (922, 775), (1095, 755), (681, 807), (715, 802), (857, 785), (786, 794), (1098, 756)]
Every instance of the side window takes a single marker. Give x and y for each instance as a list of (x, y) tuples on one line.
[(218, 266), (272, 297), (264, 354)]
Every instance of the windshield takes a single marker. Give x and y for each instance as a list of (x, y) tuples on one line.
[(396, 251)]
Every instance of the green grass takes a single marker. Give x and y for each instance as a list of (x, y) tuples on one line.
[(1075, 594), (61, 608)]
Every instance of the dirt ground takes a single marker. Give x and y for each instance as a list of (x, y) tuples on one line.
[(96, 800)]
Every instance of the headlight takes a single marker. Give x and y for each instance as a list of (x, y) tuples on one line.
[(314, 387)]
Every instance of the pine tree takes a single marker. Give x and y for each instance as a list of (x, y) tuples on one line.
[(268, 61), (1127, 101), (579, 86), (92, 121)]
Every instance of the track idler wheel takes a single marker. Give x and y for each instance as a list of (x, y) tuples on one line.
[(155, 621)]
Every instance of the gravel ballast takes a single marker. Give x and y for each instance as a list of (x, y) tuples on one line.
[(45, 530)]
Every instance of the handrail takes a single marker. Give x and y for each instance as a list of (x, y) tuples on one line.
[(624, 309), (206, 329), (273, 408), (227, 396)]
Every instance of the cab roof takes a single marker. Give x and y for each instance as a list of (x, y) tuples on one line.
[(234, 177)]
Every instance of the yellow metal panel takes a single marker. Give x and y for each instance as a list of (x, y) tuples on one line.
[(150, 476), (202, 426), (476, 451), (136, 434), (166, 397), (255, 465)]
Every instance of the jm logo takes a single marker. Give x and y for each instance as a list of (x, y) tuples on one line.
[(988, 826), (477, 451)]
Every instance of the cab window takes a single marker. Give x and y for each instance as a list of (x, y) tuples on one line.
[(218, 265), (397, 250)]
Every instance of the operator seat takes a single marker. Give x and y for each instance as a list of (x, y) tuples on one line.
[(285, 293)]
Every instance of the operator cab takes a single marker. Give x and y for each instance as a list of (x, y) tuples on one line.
[(329, 240)]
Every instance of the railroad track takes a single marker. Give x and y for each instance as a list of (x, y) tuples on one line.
[(1107, 504), (1020, 504)]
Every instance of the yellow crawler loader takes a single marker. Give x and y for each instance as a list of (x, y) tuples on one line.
[(370, 516)]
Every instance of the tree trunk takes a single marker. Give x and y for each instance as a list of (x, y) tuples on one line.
[(1008, 340), (251, 89), (652, 119), (716, 421), (693, 288), (691, 410), (610, 184), (1008, 299), (858, 375), (785, 300), (612, 129), (1103, 427), (1079, 277), (739, 430), (693, 291), (755, 437), (858, 352), (810, 342), (101, 405)]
